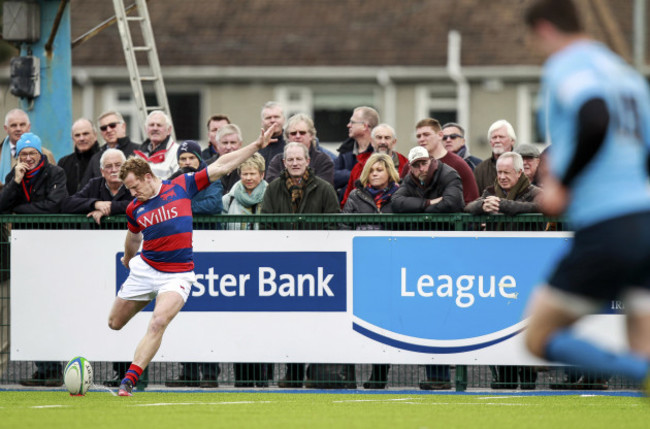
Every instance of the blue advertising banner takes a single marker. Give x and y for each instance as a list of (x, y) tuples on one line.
[(264, 281), (469, 290)]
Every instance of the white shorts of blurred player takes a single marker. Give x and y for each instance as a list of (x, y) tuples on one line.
[(145, 283)]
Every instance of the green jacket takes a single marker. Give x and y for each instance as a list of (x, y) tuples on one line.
[(522, 198), (319, 197)]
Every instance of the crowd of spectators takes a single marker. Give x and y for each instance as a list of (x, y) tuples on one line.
[(294, 174)]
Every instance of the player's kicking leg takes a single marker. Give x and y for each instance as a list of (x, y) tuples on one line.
[(168, 304), (123, 310), (637, 304), (549, 336)]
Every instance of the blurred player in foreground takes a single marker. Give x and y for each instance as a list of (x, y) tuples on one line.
[(161, 217), (597, 114)]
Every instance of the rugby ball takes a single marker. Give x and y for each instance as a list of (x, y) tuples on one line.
[(78, 376)]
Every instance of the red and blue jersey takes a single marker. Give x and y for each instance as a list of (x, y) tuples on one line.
[(165, 222)]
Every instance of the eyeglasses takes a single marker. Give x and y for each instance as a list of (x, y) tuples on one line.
[(24, 154), (109, 125), (295, 133), (355, 122), (452, 137)]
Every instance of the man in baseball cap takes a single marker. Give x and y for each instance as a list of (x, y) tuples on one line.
[(418, 153), (429, 187)]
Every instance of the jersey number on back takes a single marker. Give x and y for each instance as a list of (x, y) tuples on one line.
[(628, 121)]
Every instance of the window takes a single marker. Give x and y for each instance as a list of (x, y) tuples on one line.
[(185, 109), (438, 102), (333, 107), (184, 106), (536, 134), (329, 105)]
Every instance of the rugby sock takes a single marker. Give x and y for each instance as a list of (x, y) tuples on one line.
[(564, 346), (133, 374)]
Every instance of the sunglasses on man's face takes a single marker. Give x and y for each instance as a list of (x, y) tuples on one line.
[(452, 137), (295, 133), (109, 125)]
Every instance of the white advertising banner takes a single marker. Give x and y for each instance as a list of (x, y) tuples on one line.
[(296, 296)]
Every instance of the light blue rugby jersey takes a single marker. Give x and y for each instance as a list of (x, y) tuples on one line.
[(615, 182)]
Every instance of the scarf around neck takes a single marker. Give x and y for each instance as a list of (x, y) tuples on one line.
[(246, 200), (296, 191), (522, 184), (382, 196), (29, 179)]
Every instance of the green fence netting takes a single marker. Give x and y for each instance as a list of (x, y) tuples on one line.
[(274, 375)]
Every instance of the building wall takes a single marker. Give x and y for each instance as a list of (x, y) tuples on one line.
[(401, 103), (489, 105)]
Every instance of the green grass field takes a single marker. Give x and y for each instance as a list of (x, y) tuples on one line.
[(162, 410)]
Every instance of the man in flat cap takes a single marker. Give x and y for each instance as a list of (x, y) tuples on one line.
[(531, 156)]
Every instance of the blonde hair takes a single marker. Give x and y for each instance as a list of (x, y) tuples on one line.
[(136, 165), (256, 161), (393, 175)]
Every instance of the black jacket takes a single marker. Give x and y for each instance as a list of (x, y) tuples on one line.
[(360, 201), (84, 201), (227, 180), (446, 183), (48, 192), (124, 144), (271, 150), (75, 166)]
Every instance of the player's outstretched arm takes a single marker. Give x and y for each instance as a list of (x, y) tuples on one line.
[(228, 162), (131, 247)]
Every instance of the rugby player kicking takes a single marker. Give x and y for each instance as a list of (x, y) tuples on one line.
[(160, 219)]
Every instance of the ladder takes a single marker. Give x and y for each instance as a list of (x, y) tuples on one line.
[(147, 73)]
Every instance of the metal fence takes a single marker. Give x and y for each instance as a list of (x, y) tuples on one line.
[(344, 376)]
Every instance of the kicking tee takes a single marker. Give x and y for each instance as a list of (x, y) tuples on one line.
[(165, 222)]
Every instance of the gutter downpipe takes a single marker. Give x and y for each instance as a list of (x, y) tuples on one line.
[(462, 86), (389, 114), (639, 35)]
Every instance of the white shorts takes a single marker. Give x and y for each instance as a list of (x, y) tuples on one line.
[(145, 283)]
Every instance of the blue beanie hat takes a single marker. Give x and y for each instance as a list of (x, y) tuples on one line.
[(29, 140), (190, 146)]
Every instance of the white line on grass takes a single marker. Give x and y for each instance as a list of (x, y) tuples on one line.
[(506, 397), (495, 397), (165, 404), (499, 404), (376, 400), (48, 406), (402, 401)]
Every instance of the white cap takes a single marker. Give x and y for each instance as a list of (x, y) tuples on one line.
[(418, 153)]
